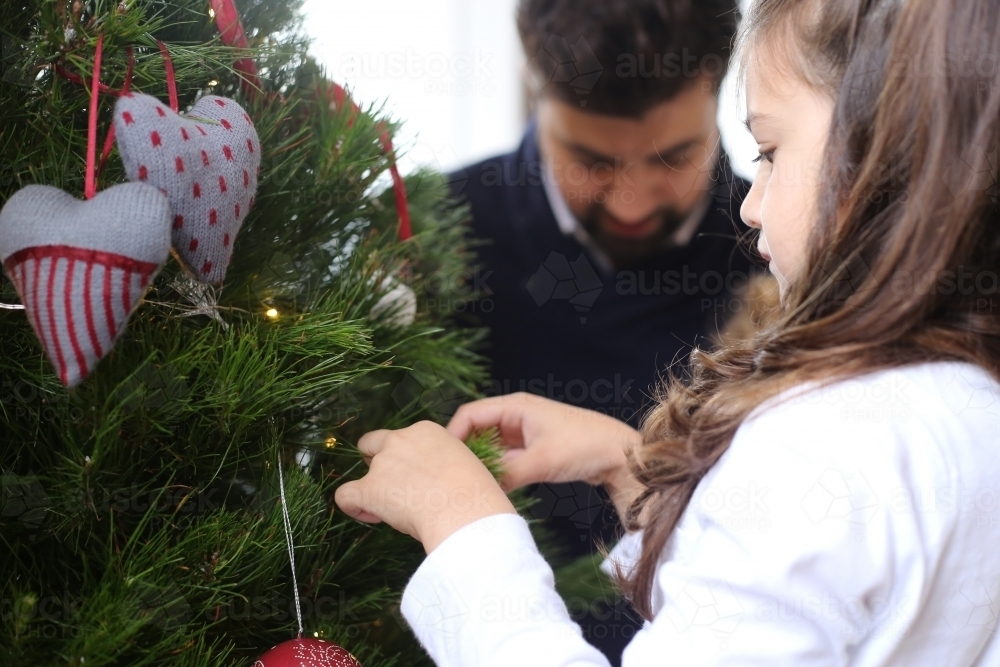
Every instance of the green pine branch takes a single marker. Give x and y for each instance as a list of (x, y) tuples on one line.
[(140, 522)]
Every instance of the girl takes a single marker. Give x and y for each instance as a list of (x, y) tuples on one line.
[(826, 494)]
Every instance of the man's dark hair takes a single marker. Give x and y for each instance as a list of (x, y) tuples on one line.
[(623, 57)]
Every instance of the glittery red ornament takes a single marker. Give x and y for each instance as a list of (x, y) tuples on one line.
[(307, 653)]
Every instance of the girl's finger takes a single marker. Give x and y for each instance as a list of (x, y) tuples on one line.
[(350, 498), (371, 443), (504, 412), (523, 467), (473, 416)]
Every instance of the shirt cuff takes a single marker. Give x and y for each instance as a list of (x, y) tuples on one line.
[(625, 554), (484, 594)]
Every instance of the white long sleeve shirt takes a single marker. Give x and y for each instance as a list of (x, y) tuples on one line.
[(852, 525)]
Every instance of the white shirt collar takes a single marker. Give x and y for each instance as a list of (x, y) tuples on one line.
[(570, 226)]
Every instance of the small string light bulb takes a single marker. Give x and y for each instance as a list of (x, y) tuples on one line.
[(211, 13), (272, 313), (331, 442)]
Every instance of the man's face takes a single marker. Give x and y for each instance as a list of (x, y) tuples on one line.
[(632, 182)]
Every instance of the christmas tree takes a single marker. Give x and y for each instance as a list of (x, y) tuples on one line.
[(142, 520)]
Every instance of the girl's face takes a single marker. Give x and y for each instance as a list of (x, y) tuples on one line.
[(790, 121)]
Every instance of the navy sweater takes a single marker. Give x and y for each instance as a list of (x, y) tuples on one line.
[(562, 328)]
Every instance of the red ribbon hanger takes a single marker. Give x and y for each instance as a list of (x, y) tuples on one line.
[(168, 65), (232, 33), (90, 182), (93, 171), (340, 98), (227, 19)]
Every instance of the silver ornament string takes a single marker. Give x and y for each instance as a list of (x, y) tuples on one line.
[(291, 546)]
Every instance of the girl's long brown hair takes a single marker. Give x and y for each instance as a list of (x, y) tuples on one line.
[(908, 207)]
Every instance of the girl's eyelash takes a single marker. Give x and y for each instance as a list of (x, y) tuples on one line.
[(765, 155)]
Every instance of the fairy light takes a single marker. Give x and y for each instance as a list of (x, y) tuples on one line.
[(211, 13), (331, 443), (272, 313), (213, 82)]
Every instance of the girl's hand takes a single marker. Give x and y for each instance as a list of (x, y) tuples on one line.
[(422, 481), (549, 441)]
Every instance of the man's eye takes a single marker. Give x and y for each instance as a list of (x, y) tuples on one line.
[(767, 156)]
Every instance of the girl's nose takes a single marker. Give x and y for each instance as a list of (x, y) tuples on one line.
[(750, 210)]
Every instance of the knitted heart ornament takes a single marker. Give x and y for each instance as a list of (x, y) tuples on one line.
[(206, 162), (80, 267)]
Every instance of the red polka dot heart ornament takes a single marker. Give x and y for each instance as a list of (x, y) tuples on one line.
[(205, 161)]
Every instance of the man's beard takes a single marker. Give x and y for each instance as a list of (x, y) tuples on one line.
[(625, 252)]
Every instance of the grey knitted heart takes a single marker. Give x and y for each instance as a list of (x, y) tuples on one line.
[(206, 162), (80, 267)]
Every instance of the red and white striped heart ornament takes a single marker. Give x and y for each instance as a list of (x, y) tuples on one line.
[(81, 267), (206, 162)]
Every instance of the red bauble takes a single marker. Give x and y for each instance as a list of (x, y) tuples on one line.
[(307, 653)]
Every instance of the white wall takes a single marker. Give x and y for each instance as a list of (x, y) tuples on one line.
[(732, 111), (736, 139), (452, 71)]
